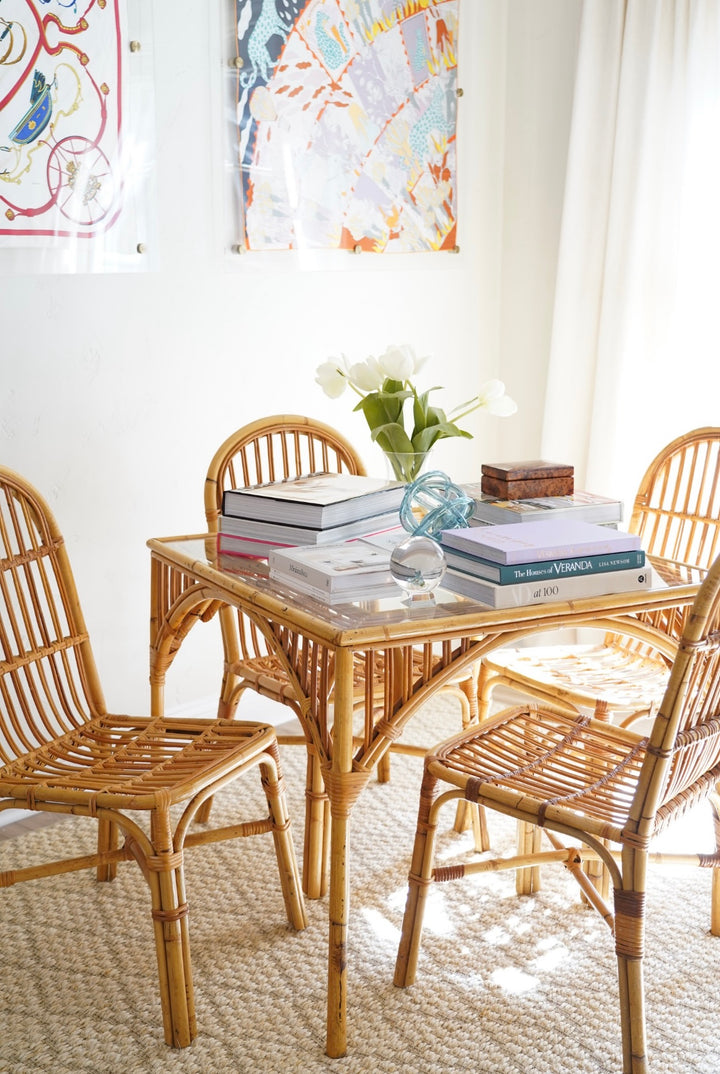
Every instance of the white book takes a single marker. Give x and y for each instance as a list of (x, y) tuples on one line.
[(277, 533), (316, 500), (333, 568), (561, 589), (535, 542), (585, 506)]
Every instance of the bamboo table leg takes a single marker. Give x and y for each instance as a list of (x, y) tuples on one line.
[(339, 909)]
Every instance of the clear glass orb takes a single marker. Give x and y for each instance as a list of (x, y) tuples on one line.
[(417, 564)]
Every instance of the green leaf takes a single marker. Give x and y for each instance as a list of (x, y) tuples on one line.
[(391, 437), (425, 438), (380, 408)]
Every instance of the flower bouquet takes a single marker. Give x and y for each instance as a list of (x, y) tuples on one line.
[(385, 385)]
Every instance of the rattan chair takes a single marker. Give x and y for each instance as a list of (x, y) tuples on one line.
[(677, 514), (603, 785), (270, 449), (61, 751)]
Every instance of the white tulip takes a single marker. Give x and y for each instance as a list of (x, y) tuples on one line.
[(367, 375), (399, 362), (492, 397), (332, 377)]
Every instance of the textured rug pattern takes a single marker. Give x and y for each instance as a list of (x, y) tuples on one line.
[(506, 985)]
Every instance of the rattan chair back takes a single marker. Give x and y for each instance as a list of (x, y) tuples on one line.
[(272, 449), (49, 683), (677, 505)]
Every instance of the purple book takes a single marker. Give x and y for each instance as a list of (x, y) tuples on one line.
[(536, 541)]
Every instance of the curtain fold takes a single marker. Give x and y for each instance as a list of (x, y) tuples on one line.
[(635, 354)]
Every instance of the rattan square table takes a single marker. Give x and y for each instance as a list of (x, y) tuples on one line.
[(408, 651)]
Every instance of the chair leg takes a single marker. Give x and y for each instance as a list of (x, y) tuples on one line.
[(470, 814), (383, 768), (629, 944), (715, 896), (108, 839), (317, 830), (599, 874), (164, 873), (419, 883), (527, 880), (485, 687), (284, 849)]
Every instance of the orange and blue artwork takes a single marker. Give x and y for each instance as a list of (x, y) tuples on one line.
[(60, 117), (346, 124)]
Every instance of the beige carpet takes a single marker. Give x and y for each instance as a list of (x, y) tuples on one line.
[(506, 985)]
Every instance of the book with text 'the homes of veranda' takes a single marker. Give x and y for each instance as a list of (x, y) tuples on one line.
[(536, 542), (511, 573)]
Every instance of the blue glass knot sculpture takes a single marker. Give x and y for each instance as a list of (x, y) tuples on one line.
[(432, 503)]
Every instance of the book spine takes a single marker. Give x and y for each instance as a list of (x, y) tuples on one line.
[(523, 512), (512, 573), (547, 592), (326, 596), (229, 544)]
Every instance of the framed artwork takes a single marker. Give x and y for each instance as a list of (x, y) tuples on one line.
[(346, 124), (69, 158)]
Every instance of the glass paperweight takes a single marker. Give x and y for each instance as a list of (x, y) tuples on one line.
[(417, 564), (433, 503)]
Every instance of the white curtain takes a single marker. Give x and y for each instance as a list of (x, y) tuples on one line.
[(635, 357)]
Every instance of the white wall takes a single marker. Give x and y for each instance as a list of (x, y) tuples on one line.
[(116, 389)]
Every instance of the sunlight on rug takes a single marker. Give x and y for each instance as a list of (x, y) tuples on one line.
[(506, 985)]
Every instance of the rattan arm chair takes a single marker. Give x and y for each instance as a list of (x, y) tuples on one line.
[(271, 449), (62, 752), (605, 786)]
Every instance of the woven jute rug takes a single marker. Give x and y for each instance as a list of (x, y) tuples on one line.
[(506, 985)]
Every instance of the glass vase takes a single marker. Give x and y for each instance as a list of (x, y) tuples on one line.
[(404, 466)]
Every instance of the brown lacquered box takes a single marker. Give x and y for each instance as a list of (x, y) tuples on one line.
[(526, 480)]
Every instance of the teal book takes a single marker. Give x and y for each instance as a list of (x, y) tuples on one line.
[(511, 573)]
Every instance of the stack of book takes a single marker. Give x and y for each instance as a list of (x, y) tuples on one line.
[(582, 506), (538, 562), (315, 509)]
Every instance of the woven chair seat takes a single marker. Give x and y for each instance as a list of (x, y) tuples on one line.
[(549, 764), (133, 763), (630, 683)]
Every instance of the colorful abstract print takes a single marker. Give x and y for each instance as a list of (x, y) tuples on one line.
[(60, 116), (346, 115)]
